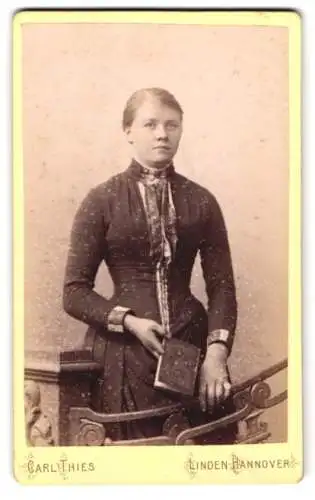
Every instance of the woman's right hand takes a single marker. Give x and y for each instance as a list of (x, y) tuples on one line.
[(147, 331)]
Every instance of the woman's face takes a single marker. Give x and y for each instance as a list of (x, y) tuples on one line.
[(155, 133)]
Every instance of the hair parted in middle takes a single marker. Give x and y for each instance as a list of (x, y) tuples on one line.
[(138, 97)]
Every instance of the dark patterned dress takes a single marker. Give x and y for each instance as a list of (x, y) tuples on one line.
[(112, 226)]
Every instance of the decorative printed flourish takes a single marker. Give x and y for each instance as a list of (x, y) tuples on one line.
[(236, 464), (27, 466), (189, 466), (34, 467)]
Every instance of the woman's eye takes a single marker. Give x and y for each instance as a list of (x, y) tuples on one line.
[(172, 126), (168, 126)]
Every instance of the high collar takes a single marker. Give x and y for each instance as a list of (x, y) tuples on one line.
[(138, 171)]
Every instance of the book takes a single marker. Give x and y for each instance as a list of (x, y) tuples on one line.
[(178, 367)]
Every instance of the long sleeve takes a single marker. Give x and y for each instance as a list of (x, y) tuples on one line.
[(86, 252), (218, 275)]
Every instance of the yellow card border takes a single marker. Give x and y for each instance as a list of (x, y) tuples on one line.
[(164, 465)]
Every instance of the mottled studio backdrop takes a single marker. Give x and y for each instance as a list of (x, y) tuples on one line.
[(232, 83)]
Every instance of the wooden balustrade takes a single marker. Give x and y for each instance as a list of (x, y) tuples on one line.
[(54, 383), (57, 412)]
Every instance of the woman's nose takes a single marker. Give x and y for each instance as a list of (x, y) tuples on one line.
[(160, 131)]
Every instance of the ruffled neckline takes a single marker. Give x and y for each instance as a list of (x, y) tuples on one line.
[(138, 171)]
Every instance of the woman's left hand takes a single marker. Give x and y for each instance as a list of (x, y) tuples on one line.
[(214, 386)]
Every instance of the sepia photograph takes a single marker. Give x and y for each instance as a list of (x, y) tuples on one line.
[(155, 176)]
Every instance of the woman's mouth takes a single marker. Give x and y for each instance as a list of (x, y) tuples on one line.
[(163, 148)]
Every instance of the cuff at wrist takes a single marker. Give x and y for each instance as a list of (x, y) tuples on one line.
[(220, 336), (115, 319)]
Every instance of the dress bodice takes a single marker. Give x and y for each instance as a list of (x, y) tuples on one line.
[(111, 226)]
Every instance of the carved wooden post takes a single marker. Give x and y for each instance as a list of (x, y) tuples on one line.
[(252, 430), (37, 425), (55, 381), (77, 371)]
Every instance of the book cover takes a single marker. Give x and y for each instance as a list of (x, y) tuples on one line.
[(177, 368)]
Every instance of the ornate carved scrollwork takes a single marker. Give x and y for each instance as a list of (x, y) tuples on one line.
[(37, 425), (90, 433), (252, 430), (261, 393), (250, 399), (243, 400), (175, 423)]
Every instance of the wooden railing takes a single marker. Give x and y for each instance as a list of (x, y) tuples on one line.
[(57, 406)]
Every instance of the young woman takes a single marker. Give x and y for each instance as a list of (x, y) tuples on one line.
[(147, 224)]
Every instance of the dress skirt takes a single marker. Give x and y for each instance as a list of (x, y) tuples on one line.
[(126, 384)]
